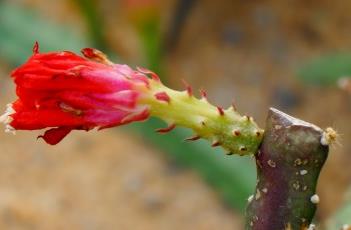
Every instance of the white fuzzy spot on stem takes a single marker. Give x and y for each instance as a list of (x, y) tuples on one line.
[(315, 199)]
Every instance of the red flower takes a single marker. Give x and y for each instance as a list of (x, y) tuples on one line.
[(63, 91)]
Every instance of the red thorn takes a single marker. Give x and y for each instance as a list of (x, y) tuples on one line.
[(36, 48), (203, 94), (215, 144), (167, 129), (220, 111), (153, 75), (188, 88), (162, 96), (193, 138)]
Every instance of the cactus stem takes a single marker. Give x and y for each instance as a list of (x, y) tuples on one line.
[(207, 121), (288, 162), (166, 129)]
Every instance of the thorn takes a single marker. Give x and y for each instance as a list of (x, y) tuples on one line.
[(248, 118), (220, 111), (215, 144), (36, 48), (203, 123), (167, 129), (203, 94), (229, 153), (193, 138), (153, 75), (188, 88), (236, 133), (162, 96), (233, 106)]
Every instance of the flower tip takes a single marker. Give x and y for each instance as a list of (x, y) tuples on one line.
[(36, 47)]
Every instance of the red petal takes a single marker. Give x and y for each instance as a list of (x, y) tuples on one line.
[(40, 119), (54, 136)]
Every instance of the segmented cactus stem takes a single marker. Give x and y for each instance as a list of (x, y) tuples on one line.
[(222, 127)]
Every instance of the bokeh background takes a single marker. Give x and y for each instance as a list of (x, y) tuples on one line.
[(284, 54)]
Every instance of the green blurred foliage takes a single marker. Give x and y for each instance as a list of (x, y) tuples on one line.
[(342, 216), (326, 70), (20, 28), (232, 176), (90, 12)]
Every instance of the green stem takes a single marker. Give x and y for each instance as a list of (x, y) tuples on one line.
[(223, 127)]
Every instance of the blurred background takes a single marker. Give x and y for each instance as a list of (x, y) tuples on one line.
[(285, 54)]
